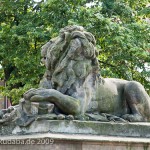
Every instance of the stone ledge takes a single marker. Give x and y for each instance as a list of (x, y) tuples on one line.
[(81, 127), (79, 138), (73, 142)]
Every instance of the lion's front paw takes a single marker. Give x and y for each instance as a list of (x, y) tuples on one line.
[(28, 94), (133, 117)]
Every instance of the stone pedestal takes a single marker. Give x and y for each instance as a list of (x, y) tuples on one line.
[(49, 141), (85, 127), (75, 135)]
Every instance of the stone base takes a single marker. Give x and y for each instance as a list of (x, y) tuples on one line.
[(75, 135), (50, 141), (83, 127)]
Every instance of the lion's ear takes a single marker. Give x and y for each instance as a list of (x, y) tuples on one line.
[(77, 34), (84, 35), (90, 37)]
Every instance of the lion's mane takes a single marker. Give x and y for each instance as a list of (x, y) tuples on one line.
[(71, 57)]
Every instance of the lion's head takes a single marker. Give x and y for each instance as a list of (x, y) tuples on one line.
[(70, 58)]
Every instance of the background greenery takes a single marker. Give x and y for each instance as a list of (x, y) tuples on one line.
[(121, 29)]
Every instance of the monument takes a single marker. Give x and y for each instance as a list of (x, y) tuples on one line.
[(73, 97)]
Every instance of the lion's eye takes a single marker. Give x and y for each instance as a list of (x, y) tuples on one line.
[(44, 57)]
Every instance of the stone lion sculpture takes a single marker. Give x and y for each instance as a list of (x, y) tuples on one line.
[(72, 81)]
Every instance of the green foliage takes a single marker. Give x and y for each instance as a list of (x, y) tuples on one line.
[(120, 28), (21, 37)]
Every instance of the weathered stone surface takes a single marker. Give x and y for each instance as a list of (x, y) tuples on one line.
[(6, 129), (80, 127), (53, 141)]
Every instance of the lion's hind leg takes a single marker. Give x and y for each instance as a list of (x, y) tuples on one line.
[(138, 102)]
